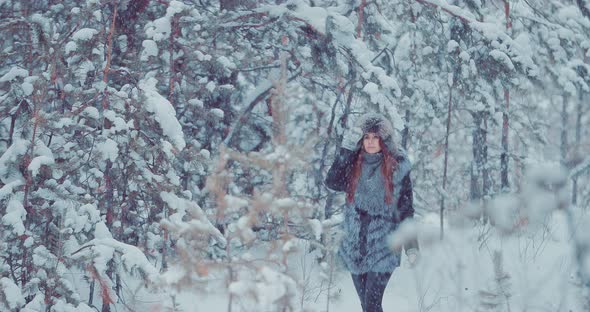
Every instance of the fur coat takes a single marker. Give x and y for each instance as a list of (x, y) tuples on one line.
[(368, 220)]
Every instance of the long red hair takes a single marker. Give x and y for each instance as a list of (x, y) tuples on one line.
[(387, 168)]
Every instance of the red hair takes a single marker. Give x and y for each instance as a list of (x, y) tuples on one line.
[(389, 164)]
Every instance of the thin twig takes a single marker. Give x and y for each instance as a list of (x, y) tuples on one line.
[(240, 121)]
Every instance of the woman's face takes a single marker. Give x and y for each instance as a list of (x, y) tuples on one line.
[(371, 143)]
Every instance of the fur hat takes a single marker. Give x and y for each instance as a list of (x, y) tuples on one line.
[(376, 123)]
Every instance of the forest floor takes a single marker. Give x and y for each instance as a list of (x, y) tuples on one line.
[(473, 268)]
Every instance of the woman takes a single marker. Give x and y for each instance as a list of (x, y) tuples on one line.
[(376, 178)]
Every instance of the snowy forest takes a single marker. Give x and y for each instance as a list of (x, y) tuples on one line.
[(170, 155)]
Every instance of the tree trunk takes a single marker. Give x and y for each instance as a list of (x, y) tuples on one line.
[(172, 78), (91, 293), (577, 153), (446, 161), (504, 156), (505, 124), (480, 178), (359, 26), (563, 144), (485, 171), (406, 131), (480, 154)]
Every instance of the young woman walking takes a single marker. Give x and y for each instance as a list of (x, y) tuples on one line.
[(376, 178)]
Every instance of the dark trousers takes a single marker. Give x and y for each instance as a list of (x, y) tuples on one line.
[(370, 288)]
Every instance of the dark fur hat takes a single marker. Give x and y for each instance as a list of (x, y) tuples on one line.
[(378, 124)]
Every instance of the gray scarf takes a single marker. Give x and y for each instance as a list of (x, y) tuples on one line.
[(369, 195)]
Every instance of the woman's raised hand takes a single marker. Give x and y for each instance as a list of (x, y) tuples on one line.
[(351, 137)]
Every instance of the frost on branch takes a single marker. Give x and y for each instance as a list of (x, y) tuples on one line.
[(164, 113), (14, 217), (98, 252), (11, 298)]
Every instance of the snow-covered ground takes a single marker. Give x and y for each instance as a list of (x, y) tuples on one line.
[(533, 271)]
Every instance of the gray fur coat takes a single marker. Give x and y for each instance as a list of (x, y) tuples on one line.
[(368, 221)]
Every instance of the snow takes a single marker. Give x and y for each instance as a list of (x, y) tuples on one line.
[(97, 14), (103, 248), (173, 177), (450, 275), (60, 305), (244, 229), (305, 51), (118, 123), (83, 70), (269, 288), (205, 153), (284, 204), (39, 161), (108, 149), (91, 112), (333, 221), (217, 113), (13, 73), (71, 46), (373, 91), (10, 292), (14, 216), (234, 203), (225, 62), (84, 34), (196, 103), (44, 22), (7, 189), (173, 275), (36, 305), (316, 228), (10, 156), (274, 286), (161, 28), (123, 42), (43, 258), (150, 48), (452, 45), (584, 165), (168, 149), (525, 258), (163, 112), (202, 57), (82, 219), (181, 206), (27, 88), (406, 232), (175, 7), (315, 16), (501, 57), (570, 14), (253, 94), (69, 88), (102, 232), (210, 86)]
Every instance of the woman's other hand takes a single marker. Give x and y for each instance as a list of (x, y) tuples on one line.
[(412, 255), (350, 138)]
